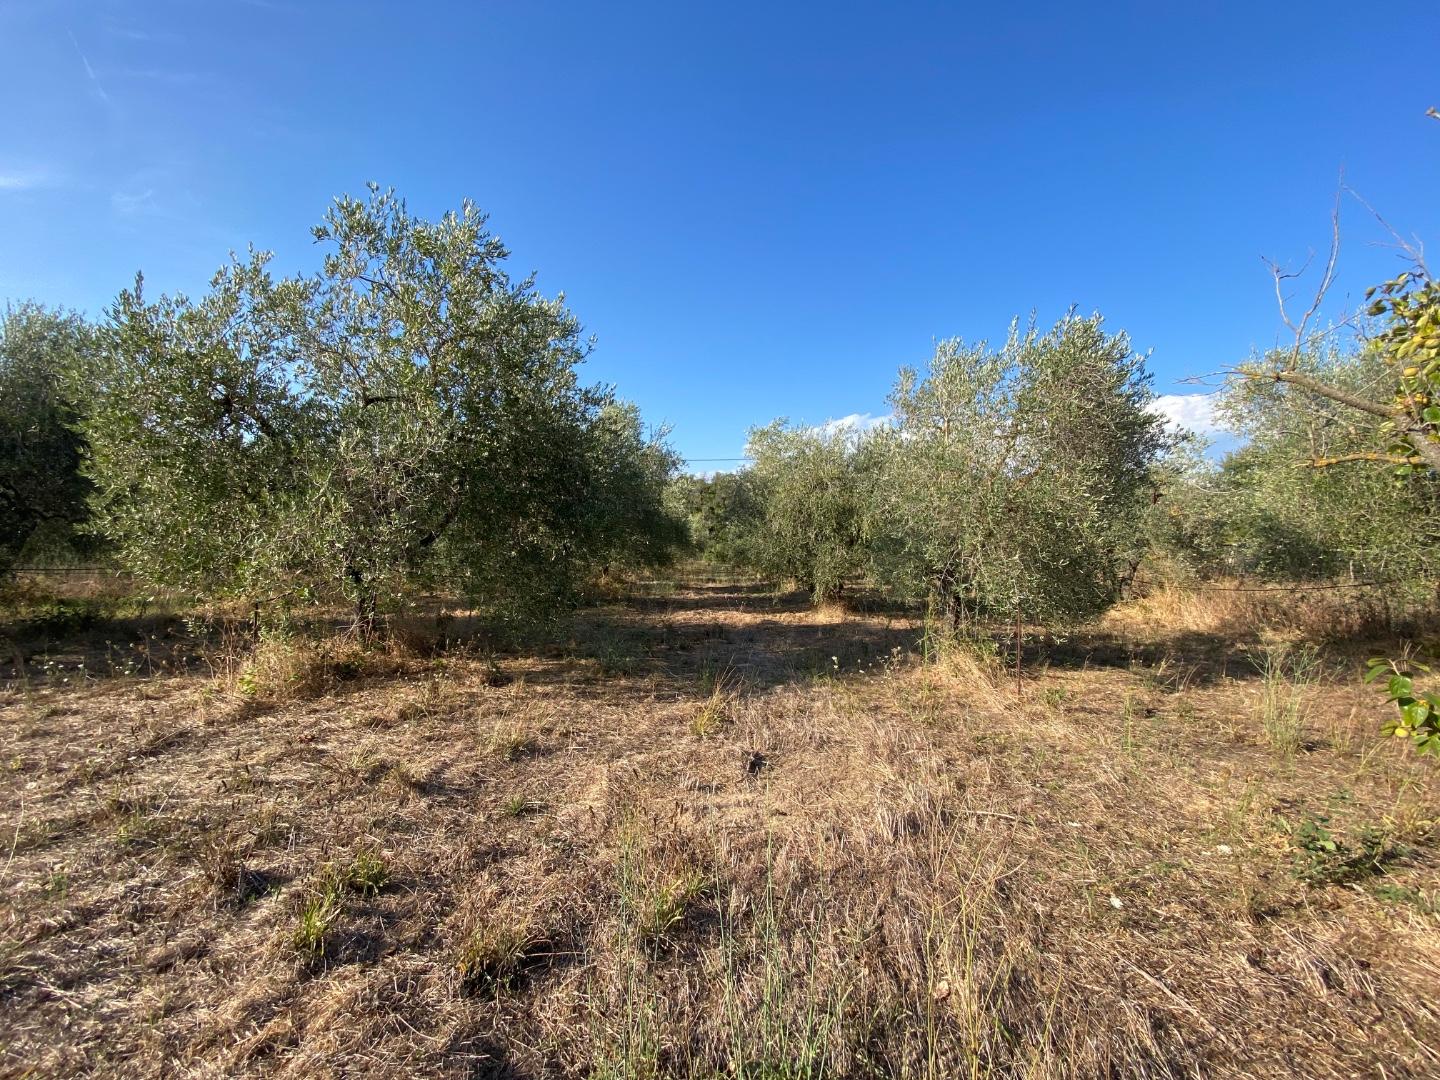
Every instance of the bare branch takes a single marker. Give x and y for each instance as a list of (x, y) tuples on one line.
[(1281, 276), (1327, 278), (1412, 249)]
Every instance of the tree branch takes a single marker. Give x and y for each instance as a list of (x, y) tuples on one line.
[(1426, 448), (1344, 397), (1326, 280), (1391, 459), (366, 400)]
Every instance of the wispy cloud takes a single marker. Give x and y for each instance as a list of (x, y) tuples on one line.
[(27, 179), (134, 202), (120, 28), (95, 83), (1191, 412)]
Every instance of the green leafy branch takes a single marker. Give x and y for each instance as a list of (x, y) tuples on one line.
[(1419, 710)]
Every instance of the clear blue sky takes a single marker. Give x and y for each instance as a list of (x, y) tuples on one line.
[(758, 209)]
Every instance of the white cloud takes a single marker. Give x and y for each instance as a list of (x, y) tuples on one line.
[(1193, 412), (854, 423)]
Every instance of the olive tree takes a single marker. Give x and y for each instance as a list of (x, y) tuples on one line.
[(410, 415), (813, 486), (723, 516), (1387, 409), (1015, 479), (1398, 411), (622, 476), (41, 486)]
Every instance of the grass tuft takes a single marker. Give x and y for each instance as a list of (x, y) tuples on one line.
[(317, 918), (493, 952), (1288, 678)]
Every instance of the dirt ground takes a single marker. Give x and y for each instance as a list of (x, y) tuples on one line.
[(714, 832)]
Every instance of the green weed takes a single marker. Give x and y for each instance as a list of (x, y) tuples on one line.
[(1322, 858)]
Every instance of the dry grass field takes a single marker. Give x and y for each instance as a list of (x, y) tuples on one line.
[(716, 833)]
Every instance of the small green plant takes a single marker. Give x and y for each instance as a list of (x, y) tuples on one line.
[(656, 886), (1390, 893), (518, 806), (1287, 677), (367, 873), (714, 711), (1419, 719), (56, 886), (657, 910), (513, 742), (317, 918), (1133, 708), (1054, 697), (1322, 858), (140, 827), (707, 722), (712, 676)]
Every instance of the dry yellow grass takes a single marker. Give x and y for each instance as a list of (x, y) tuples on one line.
[(867, 866)]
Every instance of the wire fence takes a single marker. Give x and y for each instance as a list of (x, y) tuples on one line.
[(66, 570)]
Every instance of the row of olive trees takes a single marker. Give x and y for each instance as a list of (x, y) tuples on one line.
[(409, 417), (1302, 498), (1036, 478), (1012, 481)]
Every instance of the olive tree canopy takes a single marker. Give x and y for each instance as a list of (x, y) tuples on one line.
[(410, 414), (1016, 479), (815, 485), (40, 481)]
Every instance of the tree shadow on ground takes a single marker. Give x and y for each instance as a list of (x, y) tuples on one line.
[(96, 646), (669, 644), (783, 639), (1192, 657), (1195, 658)]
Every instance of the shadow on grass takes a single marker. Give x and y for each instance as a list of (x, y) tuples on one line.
[(748, 634)]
